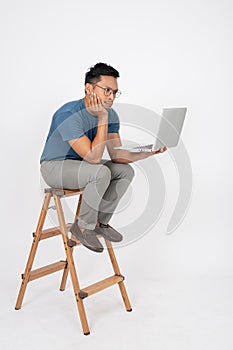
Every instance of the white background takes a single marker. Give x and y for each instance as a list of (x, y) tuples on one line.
[(168, 53)]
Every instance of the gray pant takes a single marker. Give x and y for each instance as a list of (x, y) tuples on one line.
[(104, 183)]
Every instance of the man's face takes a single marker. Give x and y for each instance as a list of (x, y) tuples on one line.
[(106, 89)]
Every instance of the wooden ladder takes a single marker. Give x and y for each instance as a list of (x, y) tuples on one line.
[(68, 264)]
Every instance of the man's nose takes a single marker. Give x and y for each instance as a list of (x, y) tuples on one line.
[(112, 96)]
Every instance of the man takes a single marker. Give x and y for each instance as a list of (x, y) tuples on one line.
[(72, 156)]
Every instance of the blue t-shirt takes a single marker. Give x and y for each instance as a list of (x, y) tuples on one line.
[(70, 122)]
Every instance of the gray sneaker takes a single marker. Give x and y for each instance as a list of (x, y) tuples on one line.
[(109, 233), (87, 238)]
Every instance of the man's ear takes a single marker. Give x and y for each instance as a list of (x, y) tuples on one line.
[(88, 88)]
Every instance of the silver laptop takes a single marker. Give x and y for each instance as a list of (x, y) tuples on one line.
[(169, 130)]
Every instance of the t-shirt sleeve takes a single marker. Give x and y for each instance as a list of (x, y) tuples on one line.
[(114, 122), (71, 127)]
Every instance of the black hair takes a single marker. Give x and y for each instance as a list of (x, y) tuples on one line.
[(93, 75)]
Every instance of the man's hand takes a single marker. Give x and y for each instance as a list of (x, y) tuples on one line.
[(124, 156), (161, 150), (149, 154), (96, 107)]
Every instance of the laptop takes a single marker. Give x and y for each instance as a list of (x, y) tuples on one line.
[(169, 130)]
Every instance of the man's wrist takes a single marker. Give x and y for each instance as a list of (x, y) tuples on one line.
[(103, 119), (103, 115)]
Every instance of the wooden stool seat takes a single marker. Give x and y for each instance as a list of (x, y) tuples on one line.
[(67, 264), (64, 192)]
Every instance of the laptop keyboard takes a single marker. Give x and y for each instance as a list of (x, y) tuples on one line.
[(146, 147)]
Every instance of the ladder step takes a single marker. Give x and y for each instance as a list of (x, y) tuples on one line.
[(46, 270), (98, 286), (51, 232)]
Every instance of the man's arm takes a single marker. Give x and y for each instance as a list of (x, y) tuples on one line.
[(93, 151), (124, 156)]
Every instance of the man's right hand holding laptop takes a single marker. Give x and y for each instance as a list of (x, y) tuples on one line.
[(125, 156)]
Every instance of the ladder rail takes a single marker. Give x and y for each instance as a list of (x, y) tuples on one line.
[(67, 265)]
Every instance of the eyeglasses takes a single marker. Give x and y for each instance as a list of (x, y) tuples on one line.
[(108, 91)]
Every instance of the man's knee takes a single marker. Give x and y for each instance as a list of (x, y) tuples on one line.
[(127, 171), (131, 171)]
